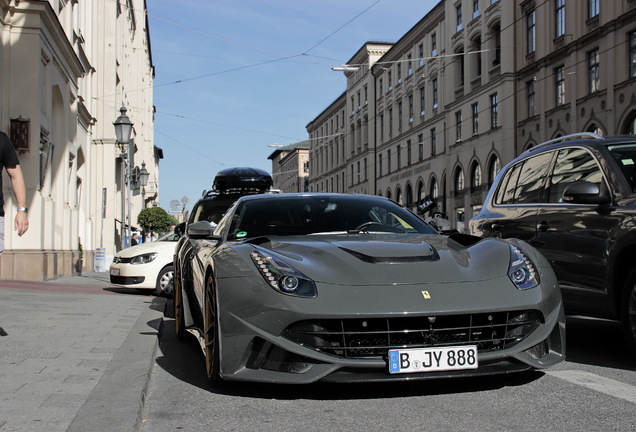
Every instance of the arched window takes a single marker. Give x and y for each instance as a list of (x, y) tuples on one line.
[(409, 196), (459, 179), (389, 194), (494, 166), (434, 189), (630, 126), (475, 175), (398, 196), (595, 129), (420, 190)]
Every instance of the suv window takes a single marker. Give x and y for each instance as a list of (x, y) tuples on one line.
[(573, 164), (522, 184), (625, 155)]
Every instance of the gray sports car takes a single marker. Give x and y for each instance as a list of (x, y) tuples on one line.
[(297, 288)]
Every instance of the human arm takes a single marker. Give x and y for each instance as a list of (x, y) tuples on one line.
[(21, 223)]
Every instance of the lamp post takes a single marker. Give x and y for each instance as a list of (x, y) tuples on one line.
[(123, 130), (143, 181)]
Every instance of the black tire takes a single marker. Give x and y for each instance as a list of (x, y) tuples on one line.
[(165, 282), (628, 311), (211, 335), (179, 320)]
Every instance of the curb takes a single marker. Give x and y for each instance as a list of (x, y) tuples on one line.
[(107, 407)]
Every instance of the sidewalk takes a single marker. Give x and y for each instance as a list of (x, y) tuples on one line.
[(75, 354)]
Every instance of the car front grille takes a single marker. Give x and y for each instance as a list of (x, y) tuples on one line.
[(372, 338), (120, 260)]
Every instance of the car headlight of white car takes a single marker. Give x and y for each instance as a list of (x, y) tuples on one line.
[(144, 258)]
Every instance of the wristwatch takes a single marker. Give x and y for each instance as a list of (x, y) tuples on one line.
[(24, 209)]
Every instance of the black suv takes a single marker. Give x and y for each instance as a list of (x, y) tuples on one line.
[(229, 185), (574, 199)]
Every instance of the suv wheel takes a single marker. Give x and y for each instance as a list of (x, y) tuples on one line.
[(628, 310)]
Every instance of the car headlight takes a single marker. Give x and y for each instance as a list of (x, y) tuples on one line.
[(283, 277), (522, 272), (144, 259)]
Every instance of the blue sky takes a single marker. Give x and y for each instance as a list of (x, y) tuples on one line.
[(235, 76)]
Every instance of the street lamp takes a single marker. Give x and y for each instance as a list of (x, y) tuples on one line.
[(123, 130), (142, 177)]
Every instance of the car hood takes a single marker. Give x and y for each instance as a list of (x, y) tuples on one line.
[(367, 259), (156, 246)]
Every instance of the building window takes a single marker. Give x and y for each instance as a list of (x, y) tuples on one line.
[(475, 8), (409, 64), (381, 86), (399, 157), (559, 18), (594, 77), (433, 45), (559, 85), (475, 109), (353, 106), (390, 122), (475, 175), (632, 54), (380, 164), (433, 142), (494, 111), (435, 93), (411, 108), (421, 54), (366, 95), (420, 143), (389, 77), (388, 161), (423, 100), (493, 169), (531, 31), (408, 152), (459, 180), (594, 8), (399, 73), (458, 9), (400, 116), (530, 98), (382, 127), (458, 126), (358, 165)]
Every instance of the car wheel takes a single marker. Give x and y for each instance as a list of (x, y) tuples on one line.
[(165, 285), (179, 320), (628, 311), (212, 358)]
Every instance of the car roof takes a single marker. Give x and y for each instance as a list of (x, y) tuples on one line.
[(582, 139)]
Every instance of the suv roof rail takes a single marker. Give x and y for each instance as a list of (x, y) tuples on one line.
[(577, 135)]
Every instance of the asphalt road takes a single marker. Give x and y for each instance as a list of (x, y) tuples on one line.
[(594, 390)]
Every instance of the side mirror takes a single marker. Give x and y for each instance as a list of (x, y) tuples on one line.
[(201, 230), (585, 192)]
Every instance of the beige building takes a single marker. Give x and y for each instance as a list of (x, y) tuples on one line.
[(67, 68), (290, 167), (439, 112)]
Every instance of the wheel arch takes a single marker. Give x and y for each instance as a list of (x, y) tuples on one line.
[(622, 266)]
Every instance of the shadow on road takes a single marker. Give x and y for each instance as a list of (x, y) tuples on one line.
[(597, 342)]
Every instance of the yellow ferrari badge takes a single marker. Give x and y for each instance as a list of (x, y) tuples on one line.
[(426, 295)]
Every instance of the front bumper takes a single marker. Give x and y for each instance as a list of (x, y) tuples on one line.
[(254, 318)]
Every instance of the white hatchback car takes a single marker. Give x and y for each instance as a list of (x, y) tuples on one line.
[(146, 266)]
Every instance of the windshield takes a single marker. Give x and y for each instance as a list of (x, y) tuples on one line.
[(169, 236), (625, 155), (304, 215)]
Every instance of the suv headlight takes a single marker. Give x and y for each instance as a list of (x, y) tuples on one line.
[(283, 277), (144, 259), (522, 271)]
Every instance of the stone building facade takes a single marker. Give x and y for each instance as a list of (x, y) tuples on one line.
[(440, 111), (67, 67)]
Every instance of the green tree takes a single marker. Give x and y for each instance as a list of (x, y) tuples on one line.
[(154, 219)]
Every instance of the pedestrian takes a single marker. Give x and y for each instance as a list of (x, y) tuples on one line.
[(136, 239), (9, 161)]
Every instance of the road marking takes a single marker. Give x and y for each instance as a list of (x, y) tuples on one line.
[(595, 382)]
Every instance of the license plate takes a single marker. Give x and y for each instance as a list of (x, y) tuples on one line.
[(433, 359), (114, 271)]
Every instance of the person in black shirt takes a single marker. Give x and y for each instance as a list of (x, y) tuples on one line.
[(9, 161)]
